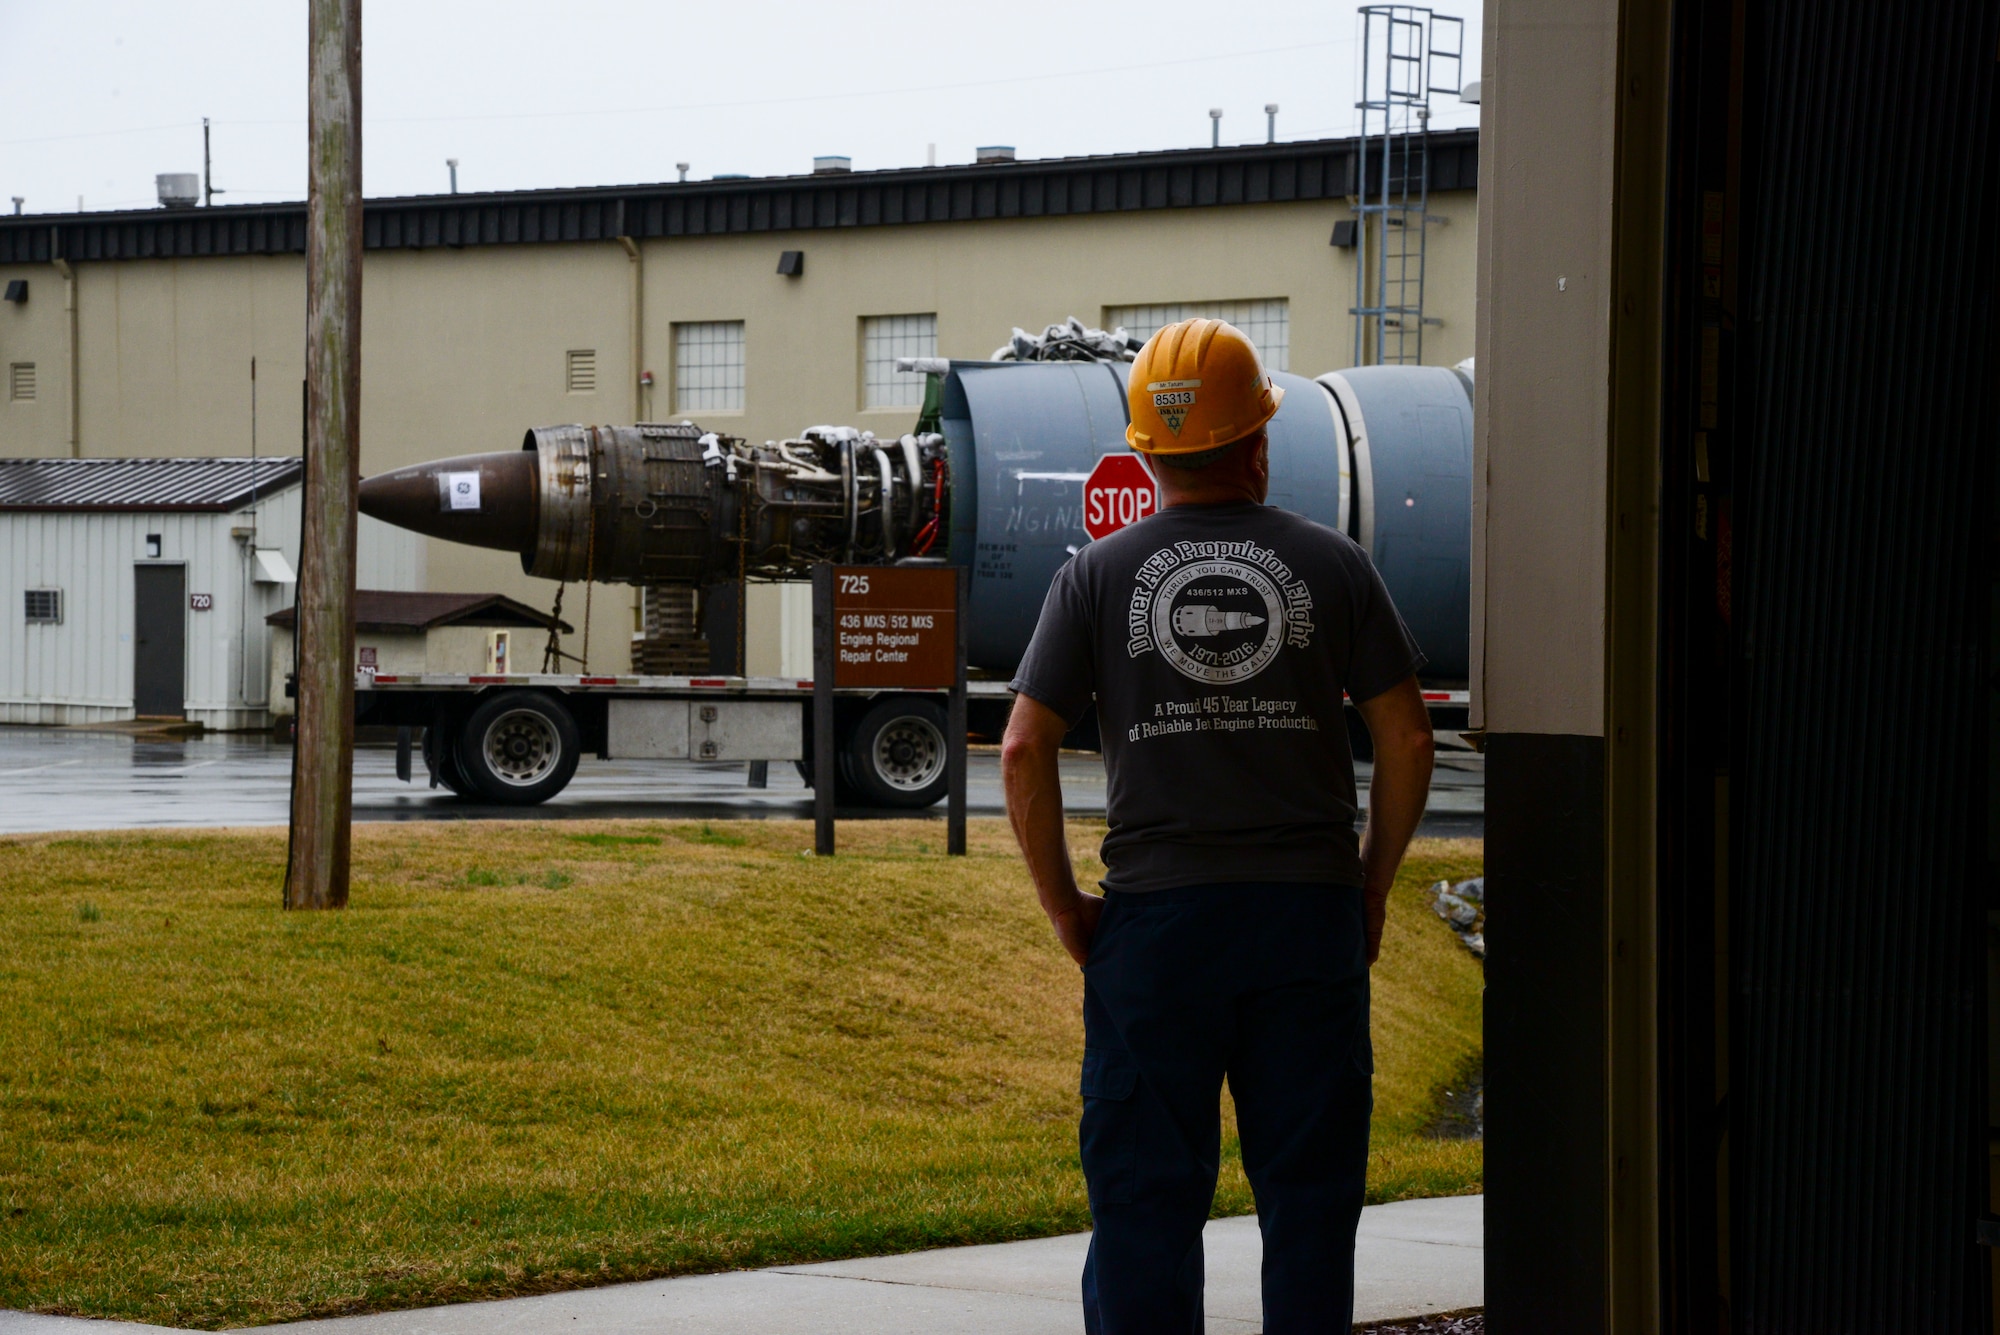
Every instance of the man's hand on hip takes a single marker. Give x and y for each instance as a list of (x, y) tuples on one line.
[(1076, 925)]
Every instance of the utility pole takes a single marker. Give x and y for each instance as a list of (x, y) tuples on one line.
[(323, 783)]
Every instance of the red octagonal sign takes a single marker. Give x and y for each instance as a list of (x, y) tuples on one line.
[(1119, 491)]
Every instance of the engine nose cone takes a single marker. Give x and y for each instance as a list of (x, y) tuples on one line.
[(482, 500)]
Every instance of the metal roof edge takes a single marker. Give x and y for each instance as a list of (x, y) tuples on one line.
[(1037, 187), (147, 485)]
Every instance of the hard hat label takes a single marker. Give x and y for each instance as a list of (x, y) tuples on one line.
[(1172, 399), (1173, 406)]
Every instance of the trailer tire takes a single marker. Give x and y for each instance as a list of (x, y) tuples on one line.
[(518, 748), (441, 758), (896, 754)]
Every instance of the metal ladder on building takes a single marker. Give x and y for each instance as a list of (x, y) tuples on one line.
[(1402, 49)]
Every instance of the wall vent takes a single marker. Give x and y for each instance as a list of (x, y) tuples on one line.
[(580, 370), (21, 382), (43, 607)]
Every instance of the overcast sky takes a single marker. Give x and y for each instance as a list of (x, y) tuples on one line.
[(100, 95)]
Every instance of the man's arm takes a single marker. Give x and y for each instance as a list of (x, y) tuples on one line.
[(1401, 729), (1034, 805)]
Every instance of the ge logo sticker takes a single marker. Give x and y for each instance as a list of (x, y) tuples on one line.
[(1218, 621)]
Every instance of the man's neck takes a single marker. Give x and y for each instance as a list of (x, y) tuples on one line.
[(1173, 500)]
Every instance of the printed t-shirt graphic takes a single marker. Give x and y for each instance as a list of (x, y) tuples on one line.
[(1217, 611)]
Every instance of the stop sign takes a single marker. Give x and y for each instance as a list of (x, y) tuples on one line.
[(1119, 491)]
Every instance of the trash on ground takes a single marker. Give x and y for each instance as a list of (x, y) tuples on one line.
[(1461, 1323), (1463, 908)]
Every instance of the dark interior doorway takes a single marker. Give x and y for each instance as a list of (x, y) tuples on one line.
[(159, 641), (1825, 878)]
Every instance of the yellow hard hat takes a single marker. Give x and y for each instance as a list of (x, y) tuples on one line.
[(1195, 386)]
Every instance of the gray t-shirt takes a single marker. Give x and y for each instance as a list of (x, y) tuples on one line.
[(1216, 641)]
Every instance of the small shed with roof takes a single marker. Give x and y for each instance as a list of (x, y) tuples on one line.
[(401, 632), (141, 587)]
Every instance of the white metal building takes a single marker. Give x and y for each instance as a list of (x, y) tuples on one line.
[(140, 587)]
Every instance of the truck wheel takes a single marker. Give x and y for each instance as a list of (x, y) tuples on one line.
[(441, 758), (518, 748), (895, 757)]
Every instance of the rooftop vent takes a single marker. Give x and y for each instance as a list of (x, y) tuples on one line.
[(178, 190), (831, 163), (994, 153)]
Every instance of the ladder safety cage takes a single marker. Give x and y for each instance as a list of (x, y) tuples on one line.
[(1403, 50)]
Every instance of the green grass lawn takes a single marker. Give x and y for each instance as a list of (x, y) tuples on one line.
[(540, 1056)]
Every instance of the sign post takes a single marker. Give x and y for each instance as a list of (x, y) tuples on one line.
[(888, 628), (824, 641)]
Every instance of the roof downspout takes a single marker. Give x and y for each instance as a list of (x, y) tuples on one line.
[(69, 316), (638, 304), (641, 383)]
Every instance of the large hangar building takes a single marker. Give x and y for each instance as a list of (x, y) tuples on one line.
[(755, 306)]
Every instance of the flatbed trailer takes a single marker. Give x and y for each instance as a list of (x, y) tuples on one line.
[(517, 738)]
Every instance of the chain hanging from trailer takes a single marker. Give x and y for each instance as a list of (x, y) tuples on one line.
[(1402, 47)]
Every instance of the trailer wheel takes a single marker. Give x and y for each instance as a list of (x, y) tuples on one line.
[(895, 757), (519, 748), (441, 758)]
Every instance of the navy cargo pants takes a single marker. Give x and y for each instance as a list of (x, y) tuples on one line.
[(1266, 984)]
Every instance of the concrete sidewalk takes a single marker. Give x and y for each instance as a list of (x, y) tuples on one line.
[(1412, 1258)]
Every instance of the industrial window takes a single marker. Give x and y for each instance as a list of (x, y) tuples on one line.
[(580, 370), (21, 382), (43, 607), (1268, 324), (708, 366), (884, 338)]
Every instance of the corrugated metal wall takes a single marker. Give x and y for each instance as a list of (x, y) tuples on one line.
[(1863, 536), (81, 670)]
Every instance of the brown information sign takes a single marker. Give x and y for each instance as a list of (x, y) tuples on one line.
[(895, 626)]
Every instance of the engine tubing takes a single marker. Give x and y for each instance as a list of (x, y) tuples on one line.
[(519, 748)]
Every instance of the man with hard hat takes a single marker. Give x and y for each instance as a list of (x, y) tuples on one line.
[(1240, 911)]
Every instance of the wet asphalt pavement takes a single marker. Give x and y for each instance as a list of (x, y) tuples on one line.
[(64, 779)]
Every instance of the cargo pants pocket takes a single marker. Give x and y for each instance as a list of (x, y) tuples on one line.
[(1108, 1136)]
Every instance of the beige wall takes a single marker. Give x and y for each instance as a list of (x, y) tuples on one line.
[(464, 349), (1541, 397), (35, 331)]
